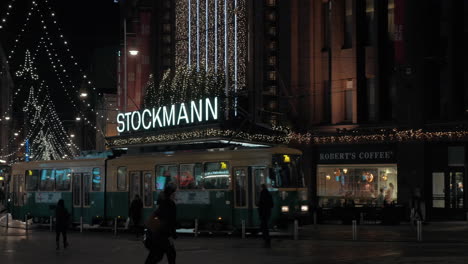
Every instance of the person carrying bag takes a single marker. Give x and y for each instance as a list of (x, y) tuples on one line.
[(160, 229)]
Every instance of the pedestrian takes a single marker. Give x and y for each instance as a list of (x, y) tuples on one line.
[(265, 204), (61, 222), (416, 206), (163, 240), (135, 213)]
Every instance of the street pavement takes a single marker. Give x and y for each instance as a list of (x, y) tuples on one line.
[(442, 243)]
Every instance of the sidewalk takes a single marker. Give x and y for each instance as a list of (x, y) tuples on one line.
[(440, 232)]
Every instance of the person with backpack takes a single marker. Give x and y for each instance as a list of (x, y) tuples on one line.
[(161, 228), (61, 217)]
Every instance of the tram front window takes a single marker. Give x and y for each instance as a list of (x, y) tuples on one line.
[(216, 175), (286, 172)]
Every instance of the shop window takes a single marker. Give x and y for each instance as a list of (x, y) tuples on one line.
[(348, 24), (286, 172), (47, 180), (166, 174), (63, 179), (32, 180), (121, 178), (365, 184), (216, 175), (190, 176), (96, 184)]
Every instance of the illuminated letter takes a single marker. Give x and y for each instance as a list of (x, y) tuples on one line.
[(120, 129), (214, 111), (127, 117), (184, 116), (156, 117), (198, 112), (133, 120), (169, 118), (143, 118)]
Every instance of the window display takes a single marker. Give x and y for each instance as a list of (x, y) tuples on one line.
[(365, 184)]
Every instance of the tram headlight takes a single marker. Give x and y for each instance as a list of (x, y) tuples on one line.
[(285, 209), (304, 208)]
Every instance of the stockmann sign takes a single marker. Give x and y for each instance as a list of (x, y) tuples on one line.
[(200, 111)]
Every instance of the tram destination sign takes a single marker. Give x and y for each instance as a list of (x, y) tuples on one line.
[(193, 112)]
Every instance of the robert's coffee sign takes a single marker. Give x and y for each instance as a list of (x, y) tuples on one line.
[(356, 155)]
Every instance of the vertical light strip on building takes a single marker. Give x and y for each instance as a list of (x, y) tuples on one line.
[(189, 33), (216, 36), (198, 35), (226, 46), (235, 57), (206, 35)]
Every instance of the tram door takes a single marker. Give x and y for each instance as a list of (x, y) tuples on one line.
[(81, 196), (136, 181), (247, 187)]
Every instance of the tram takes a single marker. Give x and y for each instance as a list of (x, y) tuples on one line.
[(218, 188)]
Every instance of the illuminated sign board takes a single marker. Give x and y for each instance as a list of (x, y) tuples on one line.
[(197, 111)]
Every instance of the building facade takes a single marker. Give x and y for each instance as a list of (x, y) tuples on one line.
[(378, 84)]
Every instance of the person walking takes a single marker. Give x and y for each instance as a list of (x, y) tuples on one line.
[(61, 217), (265, 204), (163, 239), (135, 213)]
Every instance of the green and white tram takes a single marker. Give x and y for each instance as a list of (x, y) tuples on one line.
[(219, 187), (37, 186)]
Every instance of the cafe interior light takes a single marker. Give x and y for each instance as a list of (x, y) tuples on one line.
[(286, 159), (284, 209), (304, 208), (345, 170), (133, 52)]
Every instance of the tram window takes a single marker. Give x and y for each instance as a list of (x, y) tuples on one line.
[(47, 180), (166, 174), (216, 175), (32, 180), (286, 172), (190, 176), (96, 184), (63, 178), (121, 178), (148, 191)]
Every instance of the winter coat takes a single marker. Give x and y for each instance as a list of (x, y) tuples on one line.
[(167, 214), (136, 208), (62, 218), (265, 204)]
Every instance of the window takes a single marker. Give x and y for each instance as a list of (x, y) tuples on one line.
[(147, 189), (326, 26), (241, 186), (96, 184), (190, 176), (286, 172), (86, 195), (63, 178), (216, 175), (47, 180), (165, 174), (32, 180), (121, 178), (369, 21), (348, 24), (365, 184)]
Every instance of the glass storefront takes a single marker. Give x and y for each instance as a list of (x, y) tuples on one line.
[(369, 184)]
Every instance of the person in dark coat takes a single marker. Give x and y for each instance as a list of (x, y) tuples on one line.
[(265, 204), (61, 217), (135, 212), (163, 241)]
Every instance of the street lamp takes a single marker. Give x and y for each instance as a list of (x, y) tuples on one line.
[(78, 118), (83, 95), (133, 52), (7, 118)]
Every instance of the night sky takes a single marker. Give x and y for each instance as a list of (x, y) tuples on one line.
[(91, 29)]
